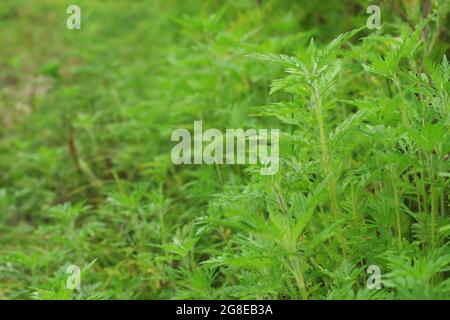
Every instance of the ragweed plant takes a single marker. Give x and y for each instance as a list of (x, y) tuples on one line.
[(86, 178)]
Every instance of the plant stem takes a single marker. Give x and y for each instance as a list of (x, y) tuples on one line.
[(405, 118), (416, 184), (326, 159), (397, 206), (325, 153), (433, 203), (299, 277)]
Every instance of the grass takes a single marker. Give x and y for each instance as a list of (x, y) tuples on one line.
[(86, 177)]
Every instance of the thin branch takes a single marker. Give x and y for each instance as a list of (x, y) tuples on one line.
[(426, 8), (402, 15)]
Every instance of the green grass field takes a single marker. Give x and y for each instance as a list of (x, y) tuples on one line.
[(87, 179)]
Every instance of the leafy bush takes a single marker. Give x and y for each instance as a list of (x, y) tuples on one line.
[(87, 179)]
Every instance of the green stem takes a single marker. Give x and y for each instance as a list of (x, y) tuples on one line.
[(433, 203), (299, 277), (325, 153), (405, 118), (326, 159), (416, 184), (397, 206)]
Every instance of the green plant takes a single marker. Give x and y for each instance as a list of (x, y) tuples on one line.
[(86, 174)]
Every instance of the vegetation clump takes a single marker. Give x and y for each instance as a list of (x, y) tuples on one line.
[(87, 180)]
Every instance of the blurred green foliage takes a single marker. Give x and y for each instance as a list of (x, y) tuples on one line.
[(85, 171)]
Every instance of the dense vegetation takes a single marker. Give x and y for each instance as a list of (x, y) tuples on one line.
[(86, 176)]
